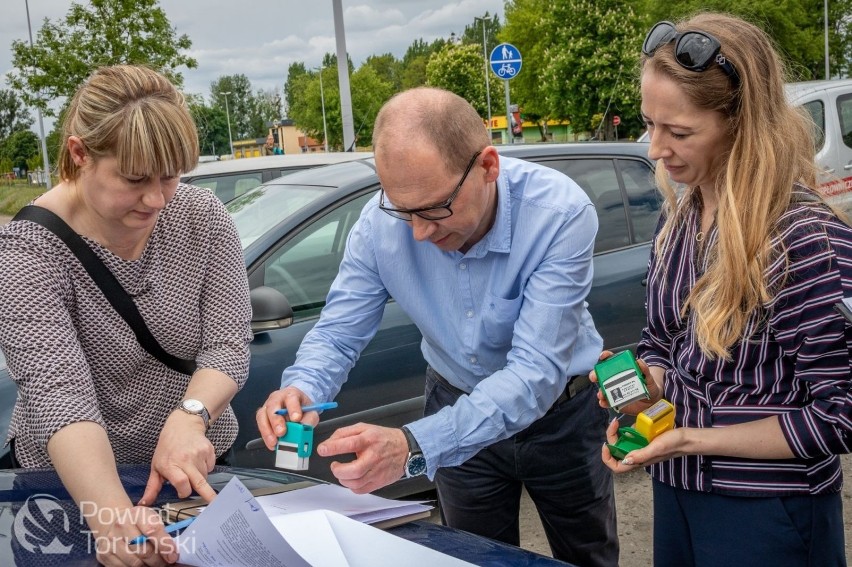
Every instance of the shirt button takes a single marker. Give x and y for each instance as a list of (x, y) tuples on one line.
[(469, 314), (473, 360), (462, 266)]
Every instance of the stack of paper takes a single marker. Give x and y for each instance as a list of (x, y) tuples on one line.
[(366, 508), (235, 531)]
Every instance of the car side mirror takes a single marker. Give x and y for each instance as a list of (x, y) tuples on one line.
[(270, 310)]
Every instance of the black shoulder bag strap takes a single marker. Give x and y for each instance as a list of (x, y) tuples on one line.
[(110, 286)]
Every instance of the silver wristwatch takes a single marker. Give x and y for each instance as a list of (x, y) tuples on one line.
[(196, 407)]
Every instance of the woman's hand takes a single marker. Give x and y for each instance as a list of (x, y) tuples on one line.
[(664, 447), (184, 456), (636, 407), (114, 528)]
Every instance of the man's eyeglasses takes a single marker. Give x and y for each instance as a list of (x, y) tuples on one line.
[(435, 212), (694, 50)]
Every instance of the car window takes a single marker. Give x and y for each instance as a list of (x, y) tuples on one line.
[(599, 180), (817, 112), (256, 212), (844, 110), (227, 187), (304, 267), (643, 198)]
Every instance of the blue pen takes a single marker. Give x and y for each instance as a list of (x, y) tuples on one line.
[(170, 529), (312, 407)]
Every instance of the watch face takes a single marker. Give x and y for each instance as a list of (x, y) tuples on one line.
[(416, 465), (193, 405)]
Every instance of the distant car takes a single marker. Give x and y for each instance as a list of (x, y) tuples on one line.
[(294, 231), (231, 178)]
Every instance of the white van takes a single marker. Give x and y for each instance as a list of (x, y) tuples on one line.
[(830, 105)]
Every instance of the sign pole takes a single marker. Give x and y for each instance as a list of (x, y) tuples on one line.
[(506, 63), (509, 133)]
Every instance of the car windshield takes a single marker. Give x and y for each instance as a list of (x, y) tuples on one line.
[(264, 207)]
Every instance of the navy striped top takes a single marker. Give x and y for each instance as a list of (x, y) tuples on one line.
[(794, 364)]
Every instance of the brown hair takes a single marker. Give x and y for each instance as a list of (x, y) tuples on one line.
[(134, 114), (772, 147), (435, 116)]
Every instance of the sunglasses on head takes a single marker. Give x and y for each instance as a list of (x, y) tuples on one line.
[(694, 50)]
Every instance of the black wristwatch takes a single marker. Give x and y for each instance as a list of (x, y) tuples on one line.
[(415, 464)]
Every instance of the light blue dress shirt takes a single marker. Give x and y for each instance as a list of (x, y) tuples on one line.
[(506, 322)]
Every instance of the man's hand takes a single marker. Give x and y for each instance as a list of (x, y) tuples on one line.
[(271, 425), (183, 456), (380, 454)]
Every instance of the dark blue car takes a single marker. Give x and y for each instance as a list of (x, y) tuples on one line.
[(294, 230)]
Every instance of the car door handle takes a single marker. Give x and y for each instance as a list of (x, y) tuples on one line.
[(829, 170), (848, 166)]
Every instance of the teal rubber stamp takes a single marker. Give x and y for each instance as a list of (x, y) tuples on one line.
[(295, 447)]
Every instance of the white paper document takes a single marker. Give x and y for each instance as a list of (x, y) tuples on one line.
[(367, 508), (235, 531)]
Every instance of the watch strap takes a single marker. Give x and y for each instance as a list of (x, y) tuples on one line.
[(413, 446)]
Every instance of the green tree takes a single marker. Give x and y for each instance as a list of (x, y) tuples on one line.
[(458, 68), (21, 146), (104, 32), (388, 68), (473, 32), (796, 26), (415, 59), (296, 73), (594, 68), (369, 93), (13, 114), (212, 126), (529, 27), (267, 108), (240, 104)]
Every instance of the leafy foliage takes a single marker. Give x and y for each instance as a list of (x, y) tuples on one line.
[(459, 68), (14, 115), (796, 26), (20, 147), (104, 32)]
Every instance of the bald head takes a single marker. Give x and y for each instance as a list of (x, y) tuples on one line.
[(438, 118)]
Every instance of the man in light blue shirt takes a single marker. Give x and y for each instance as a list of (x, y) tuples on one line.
[(491, 257)]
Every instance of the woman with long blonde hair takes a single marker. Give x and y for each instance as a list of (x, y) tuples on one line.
[(742, 336)]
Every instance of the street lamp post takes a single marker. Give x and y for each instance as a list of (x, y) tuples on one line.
[(485, 63), (228, 115), (45, 158), (324, 126)]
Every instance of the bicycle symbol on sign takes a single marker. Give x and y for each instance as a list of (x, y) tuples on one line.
[(506, 69)]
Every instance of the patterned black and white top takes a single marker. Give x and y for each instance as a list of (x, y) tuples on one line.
[(794, 364), (75, 359)]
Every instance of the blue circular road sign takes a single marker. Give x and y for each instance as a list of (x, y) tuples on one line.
[(505, 61)]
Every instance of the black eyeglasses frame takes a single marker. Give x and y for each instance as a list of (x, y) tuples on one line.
[(406, 214), (670, 33)]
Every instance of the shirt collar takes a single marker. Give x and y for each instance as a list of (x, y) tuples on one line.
[(499, 238)]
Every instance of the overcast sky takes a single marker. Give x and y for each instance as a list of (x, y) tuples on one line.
[(260, 38)]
